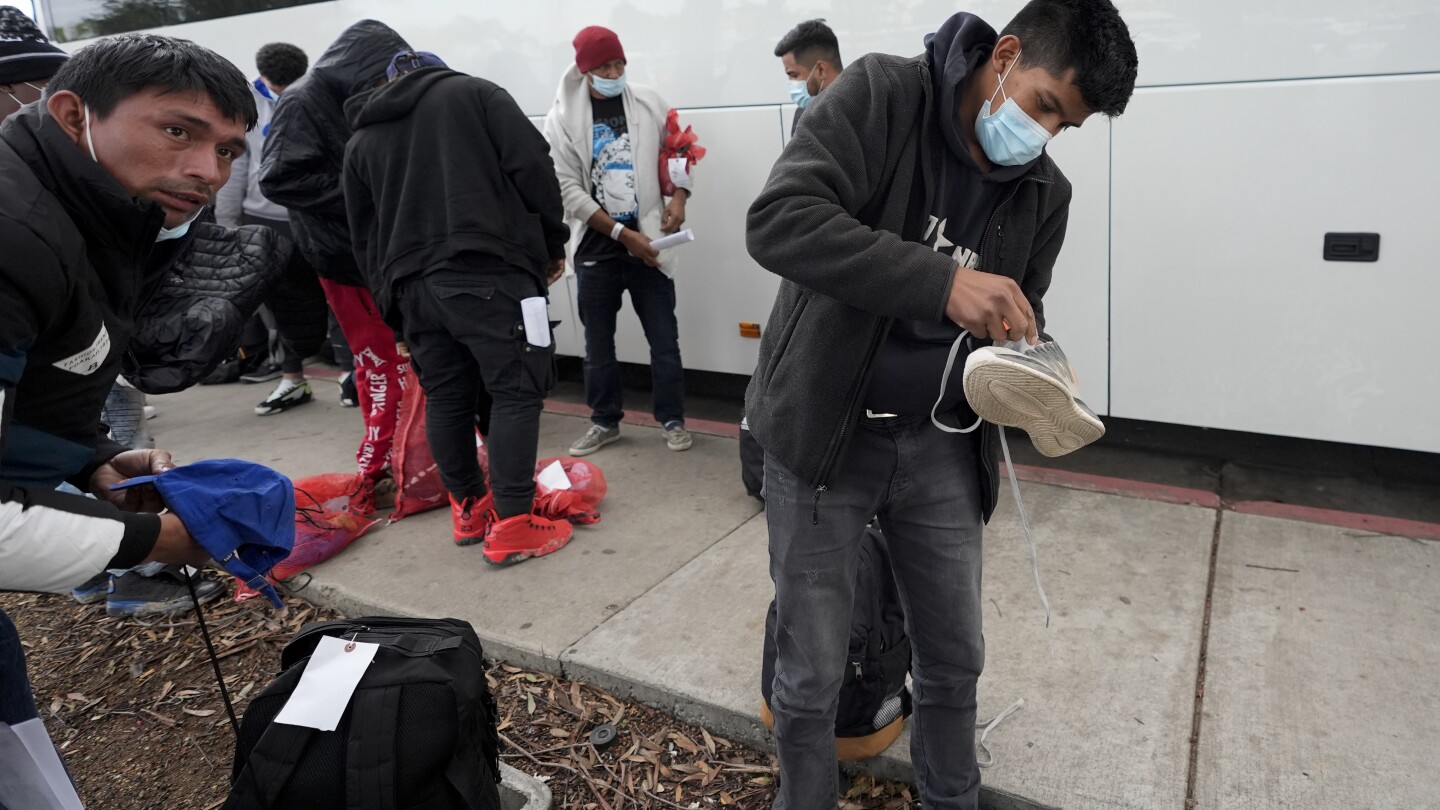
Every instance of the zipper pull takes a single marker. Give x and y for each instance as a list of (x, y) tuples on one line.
[(859, 671), (815, 506)]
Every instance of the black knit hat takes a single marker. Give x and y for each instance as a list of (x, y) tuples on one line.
[(25, 54)]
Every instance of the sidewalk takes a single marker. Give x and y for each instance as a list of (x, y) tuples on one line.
[(1320, 644)]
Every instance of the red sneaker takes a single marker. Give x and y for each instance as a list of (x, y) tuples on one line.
[(471, 518), (566, 504), (524, 536)]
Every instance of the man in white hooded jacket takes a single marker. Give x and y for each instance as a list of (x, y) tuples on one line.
[(605, 136)]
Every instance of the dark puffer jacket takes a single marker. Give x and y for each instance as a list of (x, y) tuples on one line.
[(195, 319), (305, 151)]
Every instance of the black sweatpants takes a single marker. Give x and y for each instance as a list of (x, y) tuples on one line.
[(466, 338)]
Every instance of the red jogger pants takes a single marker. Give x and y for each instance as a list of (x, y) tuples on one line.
[(378, 371)]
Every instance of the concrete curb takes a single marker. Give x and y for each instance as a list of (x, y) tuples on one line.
[(735, 726), (521, 791)]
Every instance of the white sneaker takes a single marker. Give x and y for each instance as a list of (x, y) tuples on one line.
[(286, 395), (677, 438), (149, 411), (1035, 390)]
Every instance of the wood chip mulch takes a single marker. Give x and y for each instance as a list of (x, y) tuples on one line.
[(134, 707)]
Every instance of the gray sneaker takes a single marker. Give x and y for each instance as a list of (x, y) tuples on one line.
[(133, 594), (677, 438), (594, 439)]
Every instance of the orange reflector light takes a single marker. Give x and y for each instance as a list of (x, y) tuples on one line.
[(749, 330)]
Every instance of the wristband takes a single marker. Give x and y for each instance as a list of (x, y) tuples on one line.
[(616, 231)]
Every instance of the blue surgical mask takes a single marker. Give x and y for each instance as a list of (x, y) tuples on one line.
[(799, 93), (609, 88), (166, 234), (1009, 136)]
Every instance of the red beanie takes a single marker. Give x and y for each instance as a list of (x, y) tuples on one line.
[(594, 46)]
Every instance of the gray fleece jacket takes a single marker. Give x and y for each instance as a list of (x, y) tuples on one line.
[(832, 222)]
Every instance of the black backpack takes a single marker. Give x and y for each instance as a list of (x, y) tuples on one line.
[(873, 699), (418, 733)]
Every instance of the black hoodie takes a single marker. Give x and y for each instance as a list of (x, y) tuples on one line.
[(444, 164), (909, 365), (305, 151)]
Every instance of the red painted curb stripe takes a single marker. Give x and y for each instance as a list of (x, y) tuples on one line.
[(1116, 486), (728, 430), (1379, 524), (1105, 485)]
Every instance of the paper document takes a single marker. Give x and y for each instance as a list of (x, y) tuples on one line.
[(537, 321), (673, 240), (329, 681), (553, 477), (31, 774)]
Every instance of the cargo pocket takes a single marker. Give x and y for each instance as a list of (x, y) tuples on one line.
[(537, 367)]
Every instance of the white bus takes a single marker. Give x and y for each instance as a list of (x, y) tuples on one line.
[(1194, 287)]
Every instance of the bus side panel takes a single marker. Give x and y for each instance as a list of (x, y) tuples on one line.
[(1225, 313), (1078, 303), (718, 285)]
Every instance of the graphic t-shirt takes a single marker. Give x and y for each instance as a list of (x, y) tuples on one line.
[(612, 177)]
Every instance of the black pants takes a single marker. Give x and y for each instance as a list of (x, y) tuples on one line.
[(466, 339), (298, 304)]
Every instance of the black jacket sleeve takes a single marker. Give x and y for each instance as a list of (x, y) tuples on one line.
[(50, 541), (299, 165), (805, 224), (525, 157)]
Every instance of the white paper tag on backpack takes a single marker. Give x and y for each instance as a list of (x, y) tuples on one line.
[(329, 681)]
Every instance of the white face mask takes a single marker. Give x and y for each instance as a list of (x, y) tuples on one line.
[(165, 234), (20, 103)]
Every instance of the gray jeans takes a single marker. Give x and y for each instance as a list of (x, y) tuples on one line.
[(924, 486)]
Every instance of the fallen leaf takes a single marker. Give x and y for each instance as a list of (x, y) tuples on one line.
[(709, 741), (199, 712)]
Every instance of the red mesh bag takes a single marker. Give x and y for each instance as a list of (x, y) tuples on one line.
[(417, 478), (319, 535), (327, 492), (581, 502)]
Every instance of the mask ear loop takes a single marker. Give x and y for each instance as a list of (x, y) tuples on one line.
[(1001, 88)]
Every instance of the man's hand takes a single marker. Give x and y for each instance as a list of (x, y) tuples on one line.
[(674, 217), (557, 269), (125, 466), (990, 306), (402, 349), (175, 546), (639, 246)]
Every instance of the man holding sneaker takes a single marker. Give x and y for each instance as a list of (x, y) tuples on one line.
[(914, 204), (605, 135)]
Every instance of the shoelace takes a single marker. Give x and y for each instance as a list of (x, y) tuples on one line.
[(989, 726), (1009, 468)]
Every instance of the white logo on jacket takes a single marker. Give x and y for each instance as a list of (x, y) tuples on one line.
[(88, 361)]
